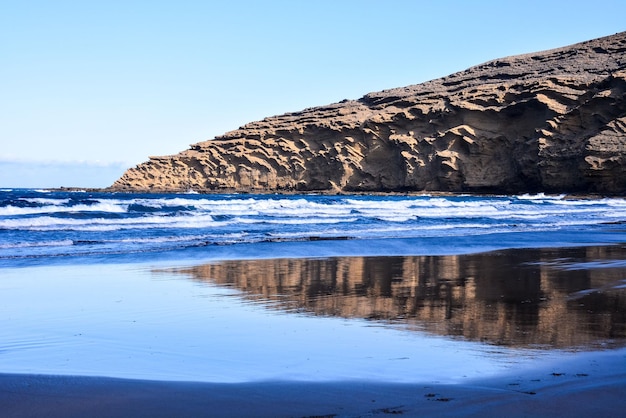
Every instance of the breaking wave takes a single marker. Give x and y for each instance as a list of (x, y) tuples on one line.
[(35, 224)]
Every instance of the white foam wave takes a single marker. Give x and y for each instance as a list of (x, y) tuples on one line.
[(540, 197), (390, 231), (45, 200), (309, 220), (57, 243), (106, 206), (301, 211), (394, 210), (47, 223), (219, 219), (581, 203)]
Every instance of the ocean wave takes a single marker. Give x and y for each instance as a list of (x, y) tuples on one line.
[(541, 197), (34, 224), (110, 207), (47, 223), (57, 243)]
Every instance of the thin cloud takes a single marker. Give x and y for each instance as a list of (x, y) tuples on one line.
[(20, 173)]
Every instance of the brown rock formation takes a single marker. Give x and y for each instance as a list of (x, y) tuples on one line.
[(553, 121)]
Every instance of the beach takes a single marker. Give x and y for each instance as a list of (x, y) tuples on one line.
[(548, 343), (589, 385)]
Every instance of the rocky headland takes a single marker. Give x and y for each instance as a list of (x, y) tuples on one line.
[(552, 121)]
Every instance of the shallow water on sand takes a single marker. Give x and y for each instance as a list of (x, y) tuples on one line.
[(400, 319), (555, 298)]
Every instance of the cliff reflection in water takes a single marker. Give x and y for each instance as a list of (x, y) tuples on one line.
[(552, 298)]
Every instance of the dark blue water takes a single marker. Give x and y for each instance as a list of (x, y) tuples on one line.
[(38, 226)]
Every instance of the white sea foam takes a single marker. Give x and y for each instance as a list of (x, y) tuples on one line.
[(540, 197), (309, 220), (57, 243), (58, 208), (46, 223), (129, 223), (45, 200)]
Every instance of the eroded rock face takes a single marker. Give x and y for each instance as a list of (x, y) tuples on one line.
[(553, 121)]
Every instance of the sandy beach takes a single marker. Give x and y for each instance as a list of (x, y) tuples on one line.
[(320, 337), (592, 384)]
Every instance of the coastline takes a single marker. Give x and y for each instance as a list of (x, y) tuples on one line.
[(326, 192), (590, 384)]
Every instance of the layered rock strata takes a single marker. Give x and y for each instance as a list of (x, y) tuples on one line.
[(552, 121)]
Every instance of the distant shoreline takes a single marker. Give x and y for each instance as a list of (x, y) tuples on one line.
[(566, 195)]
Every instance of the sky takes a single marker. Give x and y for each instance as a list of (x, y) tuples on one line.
[(91, 88)]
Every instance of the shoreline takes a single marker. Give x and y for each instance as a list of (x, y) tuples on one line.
[(325, 192), (591, 383), (310, 248)]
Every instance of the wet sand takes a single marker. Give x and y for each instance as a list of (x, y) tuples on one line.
[(553, 295), (593, 384)]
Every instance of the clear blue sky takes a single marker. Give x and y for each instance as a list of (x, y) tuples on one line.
[(88, 88)]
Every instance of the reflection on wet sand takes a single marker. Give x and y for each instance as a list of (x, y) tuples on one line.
[(552, 298)]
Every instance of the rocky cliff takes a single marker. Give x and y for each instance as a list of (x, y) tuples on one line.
[(553, 121)]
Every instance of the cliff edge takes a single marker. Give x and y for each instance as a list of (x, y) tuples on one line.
[(552, 121)]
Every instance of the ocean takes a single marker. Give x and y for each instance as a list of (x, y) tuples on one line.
[(246, 287), (41, 227)]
